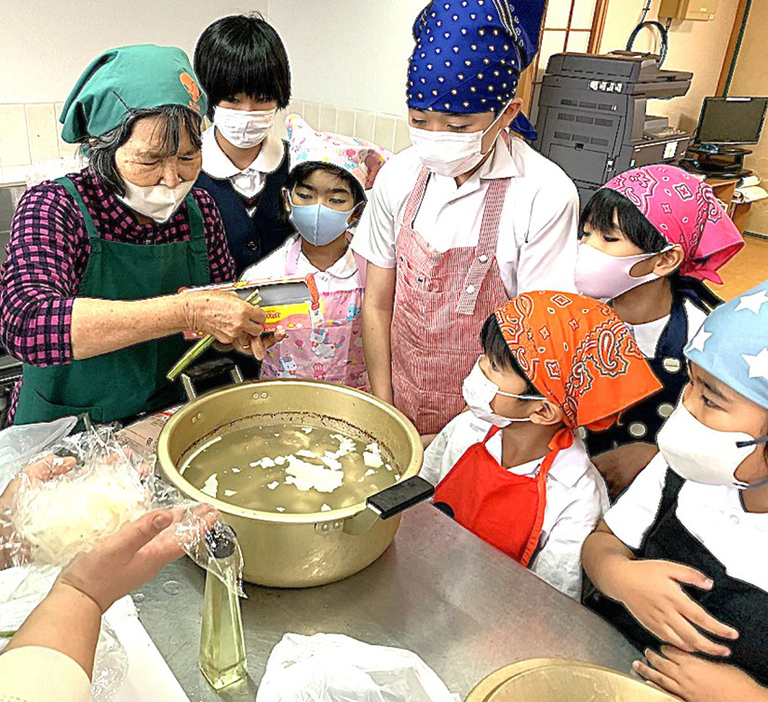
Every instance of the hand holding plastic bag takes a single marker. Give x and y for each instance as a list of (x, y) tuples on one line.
[(20, 444), (337, 668), (129, 558), (90, 504), (91, 485)]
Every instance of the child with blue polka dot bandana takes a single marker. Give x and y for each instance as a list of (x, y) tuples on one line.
[(467, 218)]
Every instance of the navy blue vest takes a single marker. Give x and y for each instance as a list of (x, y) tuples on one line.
[(643, 421), (250, 238), (734, 602)]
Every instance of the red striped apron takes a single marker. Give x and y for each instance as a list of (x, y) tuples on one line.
[(441, 302)]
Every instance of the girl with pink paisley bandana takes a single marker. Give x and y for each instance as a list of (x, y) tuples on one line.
[(649, 239)]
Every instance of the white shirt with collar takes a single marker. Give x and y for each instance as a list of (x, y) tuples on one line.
[(250, 180), (537, 240), (648, 335), (713, 514), (576, 496), (342, 275)]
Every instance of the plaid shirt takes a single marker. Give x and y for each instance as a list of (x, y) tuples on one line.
[(48, 253)]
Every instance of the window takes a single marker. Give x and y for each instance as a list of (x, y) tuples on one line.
[(569, 25)]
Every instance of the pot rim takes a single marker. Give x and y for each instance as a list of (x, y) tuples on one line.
[(170, 471)]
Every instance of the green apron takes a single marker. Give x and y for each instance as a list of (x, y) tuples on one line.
[(132, 380)]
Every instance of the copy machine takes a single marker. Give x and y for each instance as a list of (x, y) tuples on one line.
[(592, 117)]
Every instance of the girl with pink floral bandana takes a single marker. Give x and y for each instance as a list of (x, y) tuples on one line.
[(323, 197), (649, 239)]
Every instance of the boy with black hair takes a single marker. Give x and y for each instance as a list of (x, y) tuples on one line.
[(243, 66), (512, 470)]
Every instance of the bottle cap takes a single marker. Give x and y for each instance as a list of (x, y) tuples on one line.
[(221, 545)]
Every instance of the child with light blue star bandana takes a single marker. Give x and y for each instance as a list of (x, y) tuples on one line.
[(680, 560)]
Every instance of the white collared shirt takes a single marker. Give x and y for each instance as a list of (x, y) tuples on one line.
[(250, 180), (713, 514), (647, 335), (342, 275), (576, 496), (537, 241)]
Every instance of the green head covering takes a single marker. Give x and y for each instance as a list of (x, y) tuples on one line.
[(125, 79)]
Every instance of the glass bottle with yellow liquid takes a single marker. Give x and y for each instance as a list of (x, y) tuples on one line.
[(222, 644)]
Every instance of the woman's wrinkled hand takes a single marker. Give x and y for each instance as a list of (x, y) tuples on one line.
[(257, 346), (222, 314)]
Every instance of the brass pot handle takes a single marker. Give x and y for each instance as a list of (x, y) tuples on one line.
[(389, 503), (208, 370)]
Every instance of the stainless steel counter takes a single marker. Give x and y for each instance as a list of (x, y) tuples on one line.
[(464, 607)]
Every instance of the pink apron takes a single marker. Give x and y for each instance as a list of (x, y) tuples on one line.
[(333, 351), (441, 302)]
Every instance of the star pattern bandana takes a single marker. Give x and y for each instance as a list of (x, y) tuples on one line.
[(732, 344)]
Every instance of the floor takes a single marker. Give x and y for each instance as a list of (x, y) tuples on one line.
[(748, 268)]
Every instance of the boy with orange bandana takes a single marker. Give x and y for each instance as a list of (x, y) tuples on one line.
[(513, 470)]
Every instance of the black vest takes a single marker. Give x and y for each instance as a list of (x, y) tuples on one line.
[(642, 421), (734, 602), (251, 238)]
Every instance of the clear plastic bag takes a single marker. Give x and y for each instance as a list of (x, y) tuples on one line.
[(337, 668), (110, 665), (20, 444), (22, 588), (82, 488)]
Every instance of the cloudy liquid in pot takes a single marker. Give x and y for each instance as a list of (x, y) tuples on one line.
[(281, 465)]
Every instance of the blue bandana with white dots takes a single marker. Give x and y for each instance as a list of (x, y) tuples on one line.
[(469, 53)]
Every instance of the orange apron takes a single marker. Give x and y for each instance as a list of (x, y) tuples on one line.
[(504, 509)]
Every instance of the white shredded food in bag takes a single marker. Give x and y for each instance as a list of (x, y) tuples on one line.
[(62, 517)]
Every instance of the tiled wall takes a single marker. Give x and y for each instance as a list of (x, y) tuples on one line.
[(29, 133), (387, 131)]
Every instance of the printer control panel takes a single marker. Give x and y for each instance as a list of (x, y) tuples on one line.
[(606, 86)]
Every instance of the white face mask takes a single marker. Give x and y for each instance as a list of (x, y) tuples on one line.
[(241, 128), (156, 201), (696, 452), (479, 391), (449, 153), (605, 277)]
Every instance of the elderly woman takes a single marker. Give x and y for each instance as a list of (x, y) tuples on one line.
[(89, 299)]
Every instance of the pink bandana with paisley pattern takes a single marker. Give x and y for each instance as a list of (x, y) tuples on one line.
[(685, 211)]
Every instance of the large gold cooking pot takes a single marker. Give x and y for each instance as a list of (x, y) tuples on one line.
[(296, 550)]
